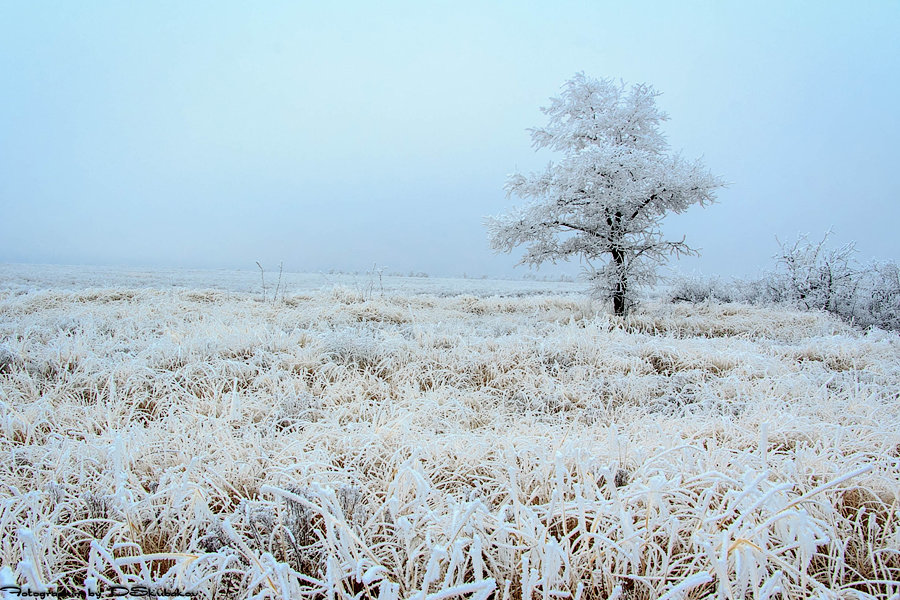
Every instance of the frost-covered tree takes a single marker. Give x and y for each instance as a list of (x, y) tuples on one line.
[(606, 198)]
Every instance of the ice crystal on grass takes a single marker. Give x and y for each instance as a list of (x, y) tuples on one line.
[(517, 446)]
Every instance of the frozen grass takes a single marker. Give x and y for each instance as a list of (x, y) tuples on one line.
[(415, 446), (24, 278)]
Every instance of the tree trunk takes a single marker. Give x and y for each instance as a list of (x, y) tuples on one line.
[(620, 285)]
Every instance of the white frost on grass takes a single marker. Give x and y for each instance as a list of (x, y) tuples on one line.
[(22, 278), (398, 446)]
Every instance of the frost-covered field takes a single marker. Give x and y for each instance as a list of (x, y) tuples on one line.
[(20, 277), (346, 442)]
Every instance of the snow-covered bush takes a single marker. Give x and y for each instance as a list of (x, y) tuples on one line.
[(700, 289), (812, 276), (878, 302)]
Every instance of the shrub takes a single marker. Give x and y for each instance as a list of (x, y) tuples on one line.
[(812, 276), (697, 289)]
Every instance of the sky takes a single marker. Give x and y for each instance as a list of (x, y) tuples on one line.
[(338, 136)]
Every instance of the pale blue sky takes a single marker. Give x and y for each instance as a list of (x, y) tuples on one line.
[(335, 135)]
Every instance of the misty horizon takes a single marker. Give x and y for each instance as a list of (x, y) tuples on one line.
[(215, 136)]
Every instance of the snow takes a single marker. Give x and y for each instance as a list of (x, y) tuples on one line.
[(7, 578), (23, 278), (429, 444)]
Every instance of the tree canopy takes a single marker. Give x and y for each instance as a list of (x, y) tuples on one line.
[(606, 198)]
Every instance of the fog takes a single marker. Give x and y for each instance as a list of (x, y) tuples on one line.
[(337, 137)]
